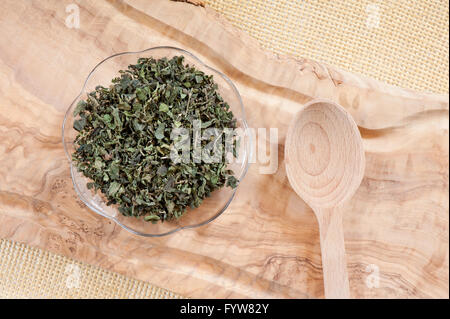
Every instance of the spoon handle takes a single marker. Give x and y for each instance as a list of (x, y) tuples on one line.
[(333, 253)]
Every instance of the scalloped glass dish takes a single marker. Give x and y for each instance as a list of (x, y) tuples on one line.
[(213, 206)]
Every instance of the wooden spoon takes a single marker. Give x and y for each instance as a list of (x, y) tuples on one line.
[(325, 165)]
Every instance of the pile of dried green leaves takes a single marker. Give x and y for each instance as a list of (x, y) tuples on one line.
[(124, 140)]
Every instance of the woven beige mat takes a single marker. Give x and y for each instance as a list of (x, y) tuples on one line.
[(27, 272), (401, 42), (404, 43)]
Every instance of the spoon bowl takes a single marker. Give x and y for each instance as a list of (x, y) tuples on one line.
[(324, 154), (325, 165)]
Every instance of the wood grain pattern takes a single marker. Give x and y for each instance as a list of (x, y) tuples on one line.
[(267, 243)]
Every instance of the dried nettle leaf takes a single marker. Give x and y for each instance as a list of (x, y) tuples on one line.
[(123, 142)]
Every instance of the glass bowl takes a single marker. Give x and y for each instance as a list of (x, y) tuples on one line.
[(211, 207)]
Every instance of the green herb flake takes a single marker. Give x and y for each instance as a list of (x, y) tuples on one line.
[(123, 142)]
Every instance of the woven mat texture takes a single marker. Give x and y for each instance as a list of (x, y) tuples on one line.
[(404, 43), (401, 42), (27, 272)]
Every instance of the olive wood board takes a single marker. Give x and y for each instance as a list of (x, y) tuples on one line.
[(266, 245)]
